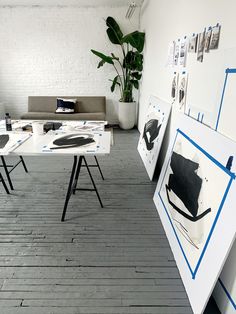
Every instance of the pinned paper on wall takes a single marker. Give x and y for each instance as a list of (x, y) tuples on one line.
[(182, 91), (183, 52), (177, 52), (208, 39), (151, 138), (215, 37), (174, 87), (194, 198), (171, 54), (192, 45), (201, 46)]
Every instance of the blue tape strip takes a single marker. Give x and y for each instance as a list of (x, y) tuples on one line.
[(231, 174), (230, 70), (202, 118), (176, 235), (198, 116), (213, 226), (232, 177), (227, 293), (221, 101)]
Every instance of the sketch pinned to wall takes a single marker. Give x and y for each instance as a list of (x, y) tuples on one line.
[(177, 52), (201, 46), (215, 37), (171, 54), (153, 132), (182, 90), (183, 52), (208, 39), (194, 198), (192, 45), (174, 87)]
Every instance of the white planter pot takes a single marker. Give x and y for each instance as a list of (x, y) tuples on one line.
[(127, 115)]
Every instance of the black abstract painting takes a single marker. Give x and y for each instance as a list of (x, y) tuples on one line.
[(73, 141), (151, 132), (4, 138), (186, 185)]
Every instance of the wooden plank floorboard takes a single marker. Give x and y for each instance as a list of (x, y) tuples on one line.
[(111, 260)]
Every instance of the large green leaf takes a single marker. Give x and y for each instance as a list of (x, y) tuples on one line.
[(135, 39), (136, 75), (114, 32), (105, 58), (135, 83), (114, 83), (133, 61)]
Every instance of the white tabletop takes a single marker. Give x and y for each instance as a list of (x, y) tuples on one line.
[(38, 145)]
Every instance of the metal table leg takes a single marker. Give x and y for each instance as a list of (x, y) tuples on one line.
[(7, 172), (4, 184)]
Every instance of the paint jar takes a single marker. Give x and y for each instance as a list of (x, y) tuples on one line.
[(37, 128)]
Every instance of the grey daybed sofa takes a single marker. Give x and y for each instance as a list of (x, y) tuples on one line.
[(86, 108)]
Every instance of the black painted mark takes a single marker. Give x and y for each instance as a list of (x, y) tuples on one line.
[(73, 140), (153, 129), (186, 185), (4, 138)]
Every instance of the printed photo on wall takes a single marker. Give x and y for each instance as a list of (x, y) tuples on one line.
[(192, 46), (177, 52), (208, 39), (174, 87), (151, 137), (215, 37), (183, 52), (201, 46), (170, 56), (182, 90)]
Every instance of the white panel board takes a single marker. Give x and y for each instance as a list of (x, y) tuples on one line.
[(226, 123), (225, 290), (194, 197), (150, 140)]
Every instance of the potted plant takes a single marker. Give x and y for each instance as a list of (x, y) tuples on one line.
[(128, 68)]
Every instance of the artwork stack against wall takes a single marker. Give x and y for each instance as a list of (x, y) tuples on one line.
[(194, 198), (151, 138)]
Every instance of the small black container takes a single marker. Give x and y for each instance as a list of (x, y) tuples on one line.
[(8, 122)]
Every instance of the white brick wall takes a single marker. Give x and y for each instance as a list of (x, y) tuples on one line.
[(46, 51)]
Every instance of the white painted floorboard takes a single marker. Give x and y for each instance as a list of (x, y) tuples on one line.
[(111, 260)]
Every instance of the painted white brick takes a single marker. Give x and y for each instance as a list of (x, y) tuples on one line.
[(46, 51)]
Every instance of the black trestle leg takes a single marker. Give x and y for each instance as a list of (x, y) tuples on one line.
[(7, 172), (77, 174), (23, 163), (99, 168), (70, 188), (4, 184), (94, 185)]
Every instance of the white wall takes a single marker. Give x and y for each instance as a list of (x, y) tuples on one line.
[(45, 50), (165, 21)]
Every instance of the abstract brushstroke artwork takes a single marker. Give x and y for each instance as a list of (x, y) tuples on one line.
[(188, 194), (195, 198), (153, 132), (73, 141), (9, 141)]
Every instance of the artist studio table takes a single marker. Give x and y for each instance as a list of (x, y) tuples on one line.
[(96, 144)]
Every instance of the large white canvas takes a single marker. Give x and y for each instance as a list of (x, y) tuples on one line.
[(151, 137), (226, 119), (200, 247)]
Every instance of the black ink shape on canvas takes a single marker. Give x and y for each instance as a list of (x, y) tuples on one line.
[(186, 185), (73, 140), (4, 138), (151, 132)]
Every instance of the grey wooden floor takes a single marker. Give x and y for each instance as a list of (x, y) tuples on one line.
[(111, 260)]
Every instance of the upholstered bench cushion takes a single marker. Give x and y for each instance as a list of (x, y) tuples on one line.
[(54, 116)]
